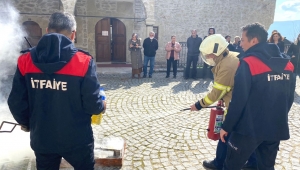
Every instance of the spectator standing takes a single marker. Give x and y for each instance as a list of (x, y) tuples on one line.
[(277, 39), (211, 31), (135, 46), (230, 46), (236, 41), (206, 68), (193, 44), (294, 53), (150, 46), (237, 46), (173, 48)]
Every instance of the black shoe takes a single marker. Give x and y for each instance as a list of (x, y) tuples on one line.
[(209, 165), (167, 76), (249, 166), (144, 76), (174, 77), (150, 76)]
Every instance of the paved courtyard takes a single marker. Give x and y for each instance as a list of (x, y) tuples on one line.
[(146, 113)]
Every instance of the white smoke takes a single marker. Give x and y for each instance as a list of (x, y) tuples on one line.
[(12, 37), (14, 147), (10, 46)]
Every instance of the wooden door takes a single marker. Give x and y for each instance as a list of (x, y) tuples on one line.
[(102, 40), (118, 41), (34, 33)]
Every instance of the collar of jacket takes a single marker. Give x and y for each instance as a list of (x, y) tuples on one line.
[(195, 37), (221, 56)]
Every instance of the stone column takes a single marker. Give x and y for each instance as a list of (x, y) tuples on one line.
[(69, 6), (150, 21)]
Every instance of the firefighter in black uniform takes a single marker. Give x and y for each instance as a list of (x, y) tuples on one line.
[(54, 94), (263, 94)]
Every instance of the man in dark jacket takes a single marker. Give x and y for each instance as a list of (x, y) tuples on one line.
[(230, 46), (193, 44), (150, 46), (294, 53), (263, 95), (239, 49), (54, 94), (206, 68)]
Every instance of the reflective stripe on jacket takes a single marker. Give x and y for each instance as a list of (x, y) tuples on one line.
[(223, 72)]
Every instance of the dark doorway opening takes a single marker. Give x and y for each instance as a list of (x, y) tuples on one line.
[(34, 33)]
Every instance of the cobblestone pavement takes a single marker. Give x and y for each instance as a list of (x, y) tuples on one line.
[(146, 113)]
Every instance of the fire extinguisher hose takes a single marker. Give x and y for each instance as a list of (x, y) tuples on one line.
[(203, 107)]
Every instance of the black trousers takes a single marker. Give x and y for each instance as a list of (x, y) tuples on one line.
[(190, 60), (240, 147), (172, 62), (80, 158), (207, 73), (221, 153)]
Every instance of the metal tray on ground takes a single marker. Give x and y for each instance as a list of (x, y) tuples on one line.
[(104, 157)]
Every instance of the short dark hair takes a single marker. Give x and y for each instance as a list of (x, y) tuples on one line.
[(256, 30), (173, 36), (227, 36), (212, 28), (60, 21)]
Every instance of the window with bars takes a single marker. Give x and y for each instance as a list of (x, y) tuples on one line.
[(155, 30)]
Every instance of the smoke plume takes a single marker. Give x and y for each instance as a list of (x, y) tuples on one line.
[(14, 147)]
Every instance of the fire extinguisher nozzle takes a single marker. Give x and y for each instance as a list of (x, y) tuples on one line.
[(185, 109)]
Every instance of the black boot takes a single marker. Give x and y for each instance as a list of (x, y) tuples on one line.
[(209, 165)]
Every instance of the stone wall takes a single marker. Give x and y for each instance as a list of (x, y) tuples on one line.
[(37, 10), (38, 6), (99, 9), (140, 15), (226, 16), (82, 38), (171, 17)]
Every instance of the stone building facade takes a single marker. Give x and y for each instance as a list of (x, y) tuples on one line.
[(105, 26)]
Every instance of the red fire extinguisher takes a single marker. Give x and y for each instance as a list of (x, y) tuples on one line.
[(215, 121)]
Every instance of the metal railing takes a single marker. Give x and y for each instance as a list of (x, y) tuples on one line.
[(183, 56)]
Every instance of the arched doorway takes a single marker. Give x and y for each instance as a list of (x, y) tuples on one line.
[(34, 32), (110, 39)]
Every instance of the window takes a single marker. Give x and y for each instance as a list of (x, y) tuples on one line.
[(155, 29)]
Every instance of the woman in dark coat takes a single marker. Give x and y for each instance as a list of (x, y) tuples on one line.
[(277, 39), (294, 52), (135, 46)]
